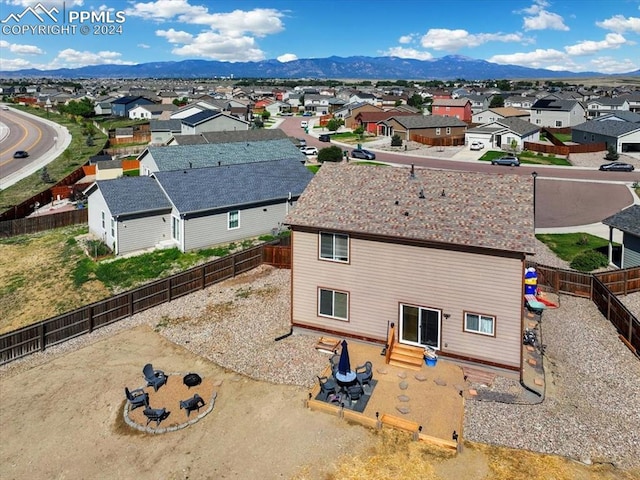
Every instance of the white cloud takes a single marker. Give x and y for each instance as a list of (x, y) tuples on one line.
[(541, 19), (537, 59), (175, 36), (10, 64), (230, 36), (614, 65), (143, 45), (47, 3), (287, 57), (620, 24), (402, 52), (407, 38), (21, 49), (452, 40), (70, 58), (588, 47), (218, 47)]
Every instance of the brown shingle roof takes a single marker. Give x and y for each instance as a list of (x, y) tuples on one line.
[(492, 211)]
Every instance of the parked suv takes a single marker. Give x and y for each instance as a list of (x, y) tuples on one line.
[(510, 160), (362, 153)]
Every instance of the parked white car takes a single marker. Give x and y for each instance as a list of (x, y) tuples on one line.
[(477, 145), (309, 150)]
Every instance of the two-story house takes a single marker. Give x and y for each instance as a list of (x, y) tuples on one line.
[(555, 113), (414, 247), (459, 108)]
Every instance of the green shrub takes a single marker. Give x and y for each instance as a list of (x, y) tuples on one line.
[(330, 154), (396, 140), (589, 260)]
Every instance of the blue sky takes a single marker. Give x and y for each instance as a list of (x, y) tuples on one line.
[(588, 35)]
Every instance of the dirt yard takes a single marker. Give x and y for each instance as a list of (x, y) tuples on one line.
[(64, 419)]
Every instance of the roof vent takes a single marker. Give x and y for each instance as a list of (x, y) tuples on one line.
[(406, 214), (397, 202), (219, 163), (413, 171), (442, 194), (421, 194), (190, 165)]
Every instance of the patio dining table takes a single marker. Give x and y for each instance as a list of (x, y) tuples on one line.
[(346, 380)]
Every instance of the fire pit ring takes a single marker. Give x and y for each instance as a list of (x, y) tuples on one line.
[(191, 379)]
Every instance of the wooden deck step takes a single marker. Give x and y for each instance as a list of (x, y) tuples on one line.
[(328, 345), (406, 356), (408, 350), (475, 375), (409, 366), (410, 359)]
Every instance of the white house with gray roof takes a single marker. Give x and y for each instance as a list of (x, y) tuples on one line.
[(193, 209), (556, 113), (175, 157), (505, 133), (415, 247), (212, 121), (628, 222)]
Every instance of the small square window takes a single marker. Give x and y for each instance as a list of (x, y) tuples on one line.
[(333, 304), (478, 323), (233, 219), (334, 246)]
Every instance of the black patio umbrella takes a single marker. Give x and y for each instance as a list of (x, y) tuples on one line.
[(344, 365)]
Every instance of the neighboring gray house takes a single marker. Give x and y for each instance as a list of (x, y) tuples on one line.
[(371, 246), (162, 131), (628, 222), (551, 112), (605, 105), (212, 121), (176, 157), (501, 133), (624, 136), (495, 114), (195, 208), (129, 213), (254, 135), (155, 111)]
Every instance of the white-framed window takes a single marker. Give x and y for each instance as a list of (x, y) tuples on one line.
[(333, 304), (448, 130), (233, 219), (558, 123), (334, 247), (113, 228), (438, 131), (175, 228), (479, 323), (104, 224)]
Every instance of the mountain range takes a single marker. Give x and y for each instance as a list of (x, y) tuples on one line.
[(450, 67)]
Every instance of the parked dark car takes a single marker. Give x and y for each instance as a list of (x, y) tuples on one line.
[(509, 160), (616, 167), (21, 154), (324, 138), (362, 153)]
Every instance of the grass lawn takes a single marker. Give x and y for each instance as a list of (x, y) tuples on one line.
[(568, 245), (563, 137), (48, 273), (526, 158)]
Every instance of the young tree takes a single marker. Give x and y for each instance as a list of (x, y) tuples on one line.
[(611, 153), (496, 101), (359, 131), (396, 140), (266, 115), (330, 154), (334, 124)]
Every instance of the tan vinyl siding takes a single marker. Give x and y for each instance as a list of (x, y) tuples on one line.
[(381, 276)]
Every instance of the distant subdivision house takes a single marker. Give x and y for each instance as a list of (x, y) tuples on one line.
[(430, 128), (628, 222), (507, 133), (193, 209), (612, 130), (175, 157), (373, 246), (120, 107)]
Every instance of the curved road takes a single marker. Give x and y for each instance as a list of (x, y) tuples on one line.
[(43, 139), (565, 196)]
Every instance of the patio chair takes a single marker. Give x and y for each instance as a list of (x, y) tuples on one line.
[(137, 398), (154, 378), (364, 373), (334, 360), (193, 403), (355, 392), (155, 414), (327, 386)]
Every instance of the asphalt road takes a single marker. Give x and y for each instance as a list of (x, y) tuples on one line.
[(565, 196), (44, 140)]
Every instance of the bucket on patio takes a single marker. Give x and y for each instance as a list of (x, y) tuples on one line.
[(430, 357)]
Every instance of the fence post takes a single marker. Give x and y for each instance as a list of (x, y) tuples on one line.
[(233, 265), (42, 339), (203, 270), (90, 319), (130, 304), (168, 289)]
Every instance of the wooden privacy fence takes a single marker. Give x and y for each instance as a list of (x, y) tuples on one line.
[(39, 336), (601, 289), (23, 226)]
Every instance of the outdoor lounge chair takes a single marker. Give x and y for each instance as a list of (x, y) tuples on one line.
[(334, 361), (354, 392), (137, 398), (154, 378), (155, 414), (327, 386), (364, 373), (193, 403)]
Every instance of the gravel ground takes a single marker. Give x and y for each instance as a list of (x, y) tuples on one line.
[(591, 408)]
